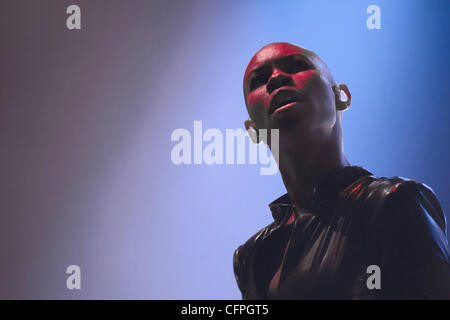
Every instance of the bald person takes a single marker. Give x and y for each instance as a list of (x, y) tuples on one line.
[(340, 232)]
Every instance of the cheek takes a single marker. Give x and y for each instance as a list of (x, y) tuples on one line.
[(256, 97), (321, 97), (317, 87), (256, 100), (304, 79), (320, 113)]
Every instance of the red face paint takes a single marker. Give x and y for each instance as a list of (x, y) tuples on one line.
[(283, 81)]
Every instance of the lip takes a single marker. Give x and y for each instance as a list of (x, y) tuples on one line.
[(286, 106), (284, 99)]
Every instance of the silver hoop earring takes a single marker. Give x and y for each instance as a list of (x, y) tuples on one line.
[(253, 133), (342, 99)]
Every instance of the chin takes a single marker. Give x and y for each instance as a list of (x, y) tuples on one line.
[(288, 122)]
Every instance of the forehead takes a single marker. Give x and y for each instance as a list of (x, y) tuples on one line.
[(270, 53)]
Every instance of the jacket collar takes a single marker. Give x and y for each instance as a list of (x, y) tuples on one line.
[(335, 182)]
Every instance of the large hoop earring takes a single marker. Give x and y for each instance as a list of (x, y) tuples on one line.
[(253, 133), (343, 97)]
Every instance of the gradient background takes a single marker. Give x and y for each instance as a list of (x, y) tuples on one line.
[(86, 119)]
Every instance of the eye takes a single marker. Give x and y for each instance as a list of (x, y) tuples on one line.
[(293, 66), (256, 82), (260, 77)]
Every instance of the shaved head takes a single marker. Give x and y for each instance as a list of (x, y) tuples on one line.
[(292, 89), (289, 49)]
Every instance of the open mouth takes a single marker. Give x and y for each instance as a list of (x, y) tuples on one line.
[(284, 99)]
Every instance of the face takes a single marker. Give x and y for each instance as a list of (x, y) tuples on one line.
[(288, 87)]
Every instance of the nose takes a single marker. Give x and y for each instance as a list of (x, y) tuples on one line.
[(277, 80)]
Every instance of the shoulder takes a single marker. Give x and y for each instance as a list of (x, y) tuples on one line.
[(383, 198), (410, 198), (369, 192), (408, 201), (243, 254), (411, 241), (411, 222)]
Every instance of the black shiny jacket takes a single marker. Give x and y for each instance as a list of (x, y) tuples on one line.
[(356, 220)]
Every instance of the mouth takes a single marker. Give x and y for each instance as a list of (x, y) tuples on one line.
[(284, 99)]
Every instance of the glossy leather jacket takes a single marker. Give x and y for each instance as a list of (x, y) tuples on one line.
[(356, 220)]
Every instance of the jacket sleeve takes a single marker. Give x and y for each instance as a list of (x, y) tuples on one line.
[(242, 259), (240, 267), (412, 244)]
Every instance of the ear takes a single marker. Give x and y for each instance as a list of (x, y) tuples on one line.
[(252, 131), (342, 96)]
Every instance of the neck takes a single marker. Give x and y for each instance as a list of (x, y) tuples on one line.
[(302, 171)]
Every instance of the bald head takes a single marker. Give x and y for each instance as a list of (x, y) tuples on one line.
[(275, 49), (287, 86)]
